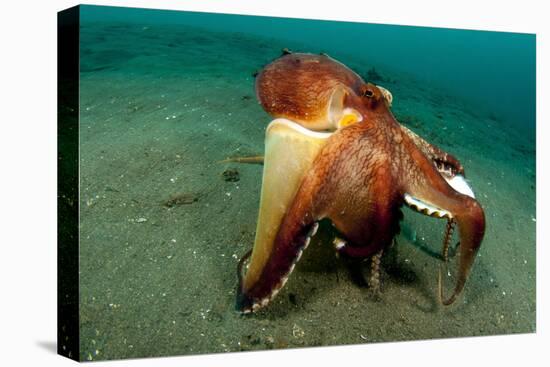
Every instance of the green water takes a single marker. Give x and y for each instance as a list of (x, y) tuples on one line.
[(494, 69), (164, 96)]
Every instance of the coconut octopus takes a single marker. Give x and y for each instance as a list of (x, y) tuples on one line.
[(335, 150)]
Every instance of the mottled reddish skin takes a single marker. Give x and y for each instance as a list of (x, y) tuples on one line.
[(297, 86), (358, 181)]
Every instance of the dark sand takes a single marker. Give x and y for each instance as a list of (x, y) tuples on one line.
[(162, 230)]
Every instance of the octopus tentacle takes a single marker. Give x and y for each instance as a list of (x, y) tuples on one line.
[(449, 229), (293, 236), (374, 279), (445, 162), (240, 266), (427, 186), (289, 246), (289, 153), (471, 223)]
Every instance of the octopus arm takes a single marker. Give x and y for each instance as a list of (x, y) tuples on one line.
[(289, 152), (427, 191), (446, 163)]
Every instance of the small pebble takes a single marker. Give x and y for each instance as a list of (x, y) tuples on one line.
[(297, 331)]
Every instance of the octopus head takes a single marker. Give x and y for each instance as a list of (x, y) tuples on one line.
[(371, 96)]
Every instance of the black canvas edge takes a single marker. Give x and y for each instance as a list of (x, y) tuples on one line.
[(68, 323)]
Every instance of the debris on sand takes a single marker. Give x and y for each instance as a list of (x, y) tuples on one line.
[(182, 198), (231, 175)]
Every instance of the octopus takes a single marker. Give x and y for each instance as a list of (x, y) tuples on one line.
[(335, 151)]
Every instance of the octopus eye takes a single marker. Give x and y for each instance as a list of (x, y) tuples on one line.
[(368, 93)]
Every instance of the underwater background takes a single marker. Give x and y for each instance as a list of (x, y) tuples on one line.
[(165, 96)]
